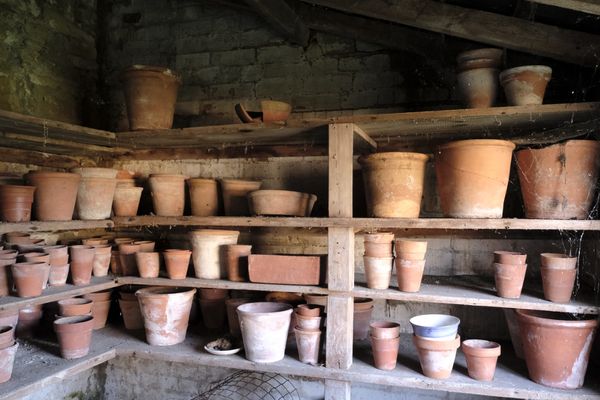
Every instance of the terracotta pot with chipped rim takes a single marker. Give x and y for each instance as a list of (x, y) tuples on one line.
[(394, 183), (309, 310), (126, 201), (127, 258), (166, 313), (101, 263), (379, 244), (478, 87), (236, 257), (307, 343), (7, 360), (55, 194), (145, 245), (74, 306), (558, 261), (74, 335), (82, 263), (410, 249), (509, 279), (100, 311), (214, 313), (525, 85), (208, 251), (95, 198), (29, 277), (557, 347), (148, 264), (7, 336), (58, 275), (16, 202), (436, 356), (472, 177), (168, 194), (59, 254), (204, 197), (132, 315), (235, 192), (481, 356), (384, 329), (233, 321), (150, 96), (509, 257), (378, 272), (558, 284), (385, 352), (409, 274), (177, 262)]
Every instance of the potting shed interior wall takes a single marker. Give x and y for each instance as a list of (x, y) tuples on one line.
[(361, 77)]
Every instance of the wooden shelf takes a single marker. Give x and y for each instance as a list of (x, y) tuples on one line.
[(55, 293), (52, 226)]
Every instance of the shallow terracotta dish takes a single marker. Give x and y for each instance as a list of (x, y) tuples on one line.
[(281, 202)]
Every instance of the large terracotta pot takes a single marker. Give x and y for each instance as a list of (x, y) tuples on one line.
[(208, 252), (95, 198), (168, 194), (557, 347), (55, 194), (15, 203), (478, 87), (203, 197), (150, 96), (472, 177), (234, 193), (559, 181), (525, 85), (74, 335), (394, 183)]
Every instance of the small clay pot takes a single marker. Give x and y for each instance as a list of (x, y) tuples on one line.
[(525, 85), (74, 335), (58, 275), (436, 356), (307, 342), (126, 201), (15, 203), (478, 87), (168, 194), (558, 261), (74, 306), (378, 272), (7, 336), (102, 256), (7, 360), (385, 352), (236, 257), (362, 319), (148, 264), (59, 254), (509, 257), (409, 274), (127, 258), (509, 279), (204, 198), (132, 315), (145, 245), (378, 244), (177, 263), (232, 317), (482, 356), (309, 323), (214, 313), (407, 249), (213, 294), (82, 263), (29, 277), (29, 320), (234, 193), (558, 284), (309, 310), (100, 311), (384, 329)]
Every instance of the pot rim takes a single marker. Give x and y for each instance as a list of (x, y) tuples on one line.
[(544, 69), (151, 68), (476, 142), (436, 345), (277, 308), (75, 301), (572, 142), (53, 174), (214, 232), (405, 155), (168, 176), (481, 348), (163, 291), (74, 320), (384, 325), (535, 317), (201, 180), (477, 54)]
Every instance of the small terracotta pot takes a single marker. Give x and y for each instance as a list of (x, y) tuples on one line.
[(509, 279), (74, 306), (132, 315), (7, 360), (74, 335), (9, 317), (478, 87), (384, 329), (309, 323), (7, 336), (36, 256), (378, 272), (127, 258), (214, 313), (6, 280), (100, 311), (145, 245), (509, 257), (98, 296), (101, 263), (362, 319), (525, 85), (482, 356), (378, 244), (55, 194), (29, 320), (126, 201), (29, 277), (558, 261), (309, 310), (409, 274), (148, 264), (385, 352), (407, 249), (58, 275), (436, 356), (234, 192), (168, 194), (203, 197), (307, 342), (207, 256), (15, 203), (232, 316), (213, 294), (82, 263), (95, 198), (177, 263), (236, 256), (558, 284), (59, 254)]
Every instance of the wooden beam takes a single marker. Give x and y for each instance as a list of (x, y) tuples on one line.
[(585, 6), (283, 19), (337, 390), (485, 27), (28, 157)]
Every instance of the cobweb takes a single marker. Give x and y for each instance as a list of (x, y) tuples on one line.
[(249, 385)]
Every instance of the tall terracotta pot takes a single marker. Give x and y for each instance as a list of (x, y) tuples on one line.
[(394, 183), (95, 198), (203, 197), (82, 264), (168, 194), (150, 96), (559, 181), (525, 85), (15, 203), (55, 194), (234, 193), (208, 251), (472, 177), (74, 335), (126, 201)]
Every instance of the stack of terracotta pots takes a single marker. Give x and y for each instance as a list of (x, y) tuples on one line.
[(235, 192), (478, 76), (127, 195), (436, 339), (378, 259), (207, 254), (385, 342), (410, 263), (525, 85), (74, 335), (130, 310), (482, 357), (509, 273), (7, 258), (236, 259), (59, 264), (204, 198), (168, 194), (307, 331), (55, 194), (15, 203), (8, 350), (213, 309), (363, 309), (100, 307), (177, 262), (82, 264), (558, 276), (74, 306), (96, 192)]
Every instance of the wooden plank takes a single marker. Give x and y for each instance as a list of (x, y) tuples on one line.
[(341, 138), (29, 157), (340, 260), (337, 390), (362, 140), (53, 226), (340, 318), (283, 19), (586, 6), (69, 145), (482, 26)]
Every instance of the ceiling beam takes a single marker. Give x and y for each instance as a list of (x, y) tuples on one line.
[(481, 26), (585, 6), (282, 18)]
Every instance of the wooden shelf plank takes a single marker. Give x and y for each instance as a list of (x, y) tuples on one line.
[(51, 226), (55, 293), (151, 220)]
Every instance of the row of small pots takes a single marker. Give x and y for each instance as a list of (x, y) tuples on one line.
[(557, 182)]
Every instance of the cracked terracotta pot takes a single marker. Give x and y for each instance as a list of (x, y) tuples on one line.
[(127, 259), (235, 192), (559, 181), (556, 346), (236, 257), (126, 201), (82, 264), (95, 198), (29, 277), (482, 356), (58, 275), (7, 360), (394, 183), (55, 194), (74, 335), (15, 203), (307, 342), (168, 194), (525, 85), (436, 356), (509, 279), (204, 197), (478, 87), (378, 271), (102, 256), (148, 264), (208, 251), (177, 262), (409, 274), (74, 306), (166, 313), (378, 244), (385, 352)]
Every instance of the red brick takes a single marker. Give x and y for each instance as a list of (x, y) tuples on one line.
[(290, 270)]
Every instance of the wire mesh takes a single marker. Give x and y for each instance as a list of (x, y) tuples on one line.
[(248, 385)]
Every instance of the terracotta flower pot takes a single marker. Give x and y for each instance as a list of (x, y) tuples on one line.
[(55, 194), (177, 263), (82, 263), (104, 295), (58, 275), (127, 259), (408, 249), (409, 274), (275, 111), (132, 315), (436, 356), (234, 192), (362, 319), (6, 280), (214, 313), (385, 352), (509, 257), (59, 254), (7, 336), (203, 197), (309, 310), (472, 177), (150, 96), (94, 172), (145, 245), (29, 277), (95, 198), (213, 294), (74, 335), (148, 264), (15, 203), (29, 320), (384, 329), (482, 356), (509, 279), (378, 244), (394, 183), (166, 313), (513, 329), (232, 315), (559, 181), (7, 360), (101, 263), (207, 253), (479, 58), (557, 347), (478, 87), (9, 318), (525, 85), (236, 257), (168, 194), (307, 342), (126, 201), (281, 202), (378, 271), (100, 311), (307, 322), (558, 284), (74, 306), (558, 261)]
